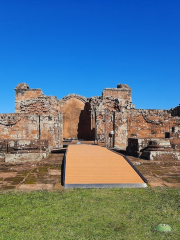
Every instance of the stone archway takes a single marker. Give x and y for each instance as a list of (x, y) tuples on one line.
[(76, 117)]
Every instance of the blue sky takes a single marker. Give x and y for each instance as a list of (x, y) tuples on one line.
[(82, 47)]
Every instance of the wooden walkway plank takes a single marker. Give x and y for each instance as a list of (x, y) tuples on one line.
[(94, 166)]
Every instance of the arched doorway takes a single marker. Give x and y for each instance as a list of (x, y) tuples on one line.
[(76, 117)]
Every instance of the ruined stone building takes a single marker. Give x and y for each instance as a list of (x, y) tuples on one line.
[(41, 123)]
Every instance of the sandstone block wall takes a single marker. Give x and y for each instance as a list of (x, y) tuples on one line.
[(13, 150), (137, 145), (153, 148), (149, 123), (159, 155), (23, 146), (137, 123), (19, 126), (32, 126), (38, 116), (33, 101)]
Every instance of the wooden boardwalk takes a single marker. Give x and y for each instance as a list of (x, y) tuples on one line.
[(91, 166)]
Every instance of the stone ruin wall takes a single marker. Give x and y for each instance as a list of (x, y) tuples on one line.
[(138, 123), (38, 116), (32, 127), (110, 111), (71, 111), (150, 123), (23, 150), (154, 134), (126, 122), (33, 101), (130, 122), (154, 148), (19, 126)]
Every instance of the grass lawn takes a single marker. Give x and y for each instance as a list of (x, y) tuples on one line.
[(90, 214)]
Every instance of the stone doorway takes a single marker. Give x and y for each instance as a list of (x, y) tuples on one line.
[(76, 118)]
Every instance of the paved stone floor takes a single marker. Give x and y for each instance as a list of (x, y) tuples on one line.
[(41, 175), (46, 174), (158, 173)]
